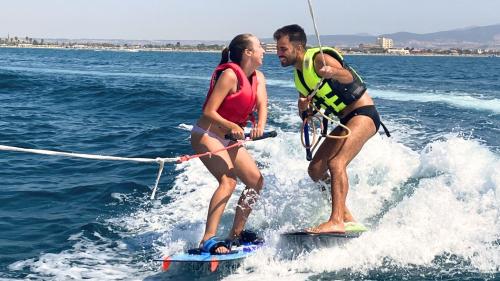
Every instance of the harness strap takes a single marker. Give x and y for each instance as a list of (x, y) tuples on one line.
[(325, 127), (386, 131)]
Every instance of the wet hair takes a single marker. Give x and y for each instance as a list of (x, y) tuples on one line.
[(236, 48), (295, 34)]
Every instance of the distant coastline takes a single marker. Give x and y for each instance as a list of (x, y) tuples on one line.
[(116, 49), (483, 41), (213, 49)]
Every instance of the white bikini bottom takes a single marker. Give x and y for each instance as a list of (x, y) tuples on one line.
[(197, 129)]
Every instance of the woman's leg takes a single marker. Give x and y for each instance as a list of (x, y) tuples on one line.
[(247, 171), (221, 167)]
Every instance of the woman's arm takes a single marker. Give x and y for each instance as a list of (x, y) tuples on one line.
[(258, 130)]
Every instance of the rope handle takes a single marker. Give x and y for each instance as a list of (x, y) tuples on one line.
[(265, 135), (308, 122)]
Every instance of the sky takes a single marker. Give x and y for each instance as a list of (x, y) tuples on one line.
[(223, 19)]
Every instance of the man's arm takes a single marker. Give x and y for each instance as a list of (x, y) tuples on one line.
[(332, 70)]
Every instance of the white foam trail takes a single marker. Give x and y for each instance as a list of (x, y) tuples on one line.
[(454, 209), (86, 260), (455, 99), (444, 199)]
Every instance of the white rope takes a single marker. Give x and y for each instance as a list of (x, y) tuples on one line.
[(315, 90), (311, 11), (86, 156), (160, 161), (160, 170)]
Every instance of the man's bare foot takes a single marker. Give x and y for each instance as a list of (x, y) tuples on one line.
[(327, 227)]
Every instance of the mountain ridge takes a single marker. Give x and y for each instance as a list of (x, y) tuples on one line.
[(484, 37), (468, 37)]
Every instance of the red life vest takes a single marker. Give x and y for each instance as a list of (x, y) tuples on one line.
[(237, 107)]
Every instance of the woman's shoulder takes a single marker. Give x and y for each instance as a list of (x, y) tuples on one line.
[(228, 75), (260, 76)]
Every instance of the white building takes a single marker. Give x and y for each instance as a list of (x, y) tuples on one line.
[(385, 43), (269, 47), (398, 51)]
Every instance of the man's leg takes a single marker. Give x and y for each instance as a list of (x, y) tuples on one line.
[(335, 155), (327, 181)]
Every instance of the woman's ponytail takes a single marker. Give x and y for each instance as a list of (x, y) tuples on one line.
[(224, 56), (234, 51)]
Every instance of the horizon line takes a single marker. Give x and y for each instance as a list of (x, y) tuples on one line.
[(223, 40)]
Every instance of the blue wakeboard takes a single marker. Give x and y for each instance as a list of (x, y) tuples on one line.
[(196, 256)]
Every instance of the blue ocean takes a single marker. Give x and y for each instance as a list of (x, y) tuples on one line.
[(430, 194)]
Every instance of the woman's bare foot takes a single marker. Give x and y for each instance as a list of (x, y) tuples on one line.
[(221, 249)]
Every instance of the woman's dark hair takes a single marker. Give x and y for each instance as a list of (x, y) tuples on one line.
[(294, 32), (236, 48)]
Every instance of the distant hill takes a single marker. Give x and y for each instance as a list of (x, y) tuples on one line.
[(471, 37)]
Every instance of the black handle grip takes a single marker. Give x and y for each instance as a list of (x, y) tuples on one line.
[(265, 135)]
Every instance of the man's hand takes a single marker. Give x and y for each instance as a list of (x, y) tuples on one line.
[(327, 72), (303, 103)]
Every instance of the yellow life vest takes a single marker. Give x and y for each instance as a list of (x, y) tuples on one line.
[(332, 96)]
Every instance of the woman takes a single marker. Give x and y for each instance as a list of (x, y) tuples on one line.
[(237, 89)]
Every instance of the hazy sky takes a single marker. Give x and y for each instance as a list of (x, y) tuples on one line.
[(222, 19)]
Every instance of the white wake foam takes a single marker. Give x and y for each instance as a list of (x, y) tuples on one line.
[(444, 199), (460, 100)]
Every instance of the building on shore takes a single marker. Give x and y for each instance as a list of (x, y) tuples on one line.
[(398, 51), (370, 48), (270, 47), (385, 43)]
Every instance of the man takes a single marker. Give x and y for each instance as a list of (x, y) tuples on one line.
[(343, 94)]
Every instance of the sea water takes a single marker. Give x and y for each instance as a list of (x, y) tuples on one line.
[(429, 194)]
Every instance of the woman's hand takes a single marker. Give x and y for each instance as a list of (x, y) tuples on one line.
[(256, 132), (236, 132)]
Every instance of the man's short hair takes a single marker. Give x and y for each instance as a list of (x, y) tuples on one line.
[(294, 32)]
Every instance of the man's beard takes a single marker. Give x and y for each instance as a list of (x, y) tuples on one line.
[(287, 62), (290, 60)]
